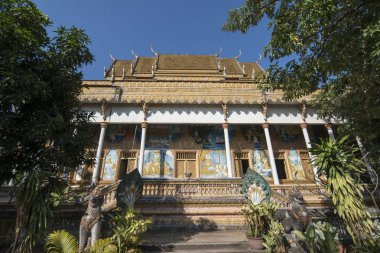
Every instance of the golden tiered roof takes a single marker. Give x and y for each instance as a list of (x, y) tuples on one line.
[(171, 65), (181, 79)]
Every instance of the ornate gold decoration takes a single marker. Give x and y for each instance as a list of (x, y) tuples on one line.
[(303, 111), (238, 142), (144, 125), (104, 111), (144, 110), (265, 111), (225, 111), (186, 141), (180, 92)]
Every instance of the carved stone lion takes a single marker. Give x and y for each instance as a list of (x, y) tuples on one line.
[(297, 217), (90, 224)]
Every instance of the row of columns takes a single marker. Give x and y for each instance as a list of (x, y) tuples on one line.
[(144, 125)]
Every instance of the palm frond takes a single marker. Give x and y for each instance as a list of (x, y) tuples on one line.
[(103, 246), (61, 241)]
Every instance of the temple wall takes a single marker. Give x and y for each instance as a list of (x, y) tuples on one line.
[(198, 151), (193, 114)]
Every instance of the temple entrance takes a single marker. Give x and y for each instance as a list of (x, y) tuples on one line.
[(245, 165)]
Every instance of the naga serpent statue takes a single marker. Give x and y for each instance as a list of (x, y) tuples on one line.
[(255, 187), (296, 216)]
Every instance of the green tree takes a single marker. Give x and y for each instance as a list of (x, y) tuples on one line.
[(326, 45), (337, 160), (43, 132)]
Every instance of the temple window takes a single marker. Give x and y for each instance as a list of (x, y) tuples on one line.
[(186, 164), (280, 165), (128, 162)]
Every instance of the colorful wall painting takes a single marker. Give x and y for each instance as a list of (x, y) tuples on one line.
[(211, 136), (162, 136), (116, 133), (152, 163), (158, 163), (213, 164), (110, 166), (261, 163), (288, 134), (168, 164), (295, 165)]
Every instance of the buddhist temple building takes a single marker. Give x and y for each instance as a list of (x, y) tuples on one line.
[(192, 125), (197, 117)]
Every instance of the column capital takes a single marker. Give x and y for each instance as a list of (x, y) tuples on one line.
[(103, 124), (144, 124), (265, 125), (225, 125), (303, 125), (328, 125)]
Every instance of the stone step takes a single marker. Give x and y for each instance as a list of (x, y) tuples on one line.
[(181, 241)]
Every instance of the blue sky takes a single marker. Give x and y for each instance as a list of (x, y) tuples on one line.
[(171, 27)]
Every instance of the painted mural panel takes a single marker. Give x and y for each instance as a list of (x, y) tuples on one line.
[(213, 164), (287, 137), (168, 164), (163, 136), (158, 163), (211, 136), (295, 165), (110, 166), (152, 163), (261, 163)]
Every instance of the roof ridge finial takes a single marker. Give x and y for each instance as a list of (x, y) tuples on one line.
[(219, 53), (238, 56), (260, 57), (154, 52), (135, 55), (112, 58)]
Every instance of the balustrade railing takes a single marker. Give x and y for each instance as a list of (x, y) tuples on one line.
[(191, 188)]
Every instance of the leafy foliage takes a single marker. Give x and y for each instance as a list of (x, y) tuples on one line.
[(319, 237), (43, 132), (259, 217), (274, 240), (103, 246), (339, 163), (128, 226), (61, 241), (325, 45)]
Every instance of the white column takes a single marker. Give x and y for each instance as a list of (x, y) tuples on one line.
[(271, 155), (95, 174), (370, 171), (330, 131), (308, 145), (144, 126), (228, 150)]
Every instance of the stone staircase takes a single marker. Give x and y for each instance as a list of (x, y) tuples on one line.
[(225, 241)]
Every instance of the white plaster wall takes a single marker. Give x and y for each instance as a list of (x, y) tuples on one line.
[(245, 115), (203, 115), (312, 117), (284, 115)]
